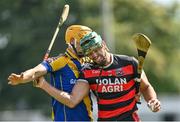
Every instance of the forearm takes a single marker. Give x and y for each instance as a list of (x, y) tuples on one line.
[(146, 88), (28, 76), (61, 96), (151, 98), (148, 93), (33, 73)]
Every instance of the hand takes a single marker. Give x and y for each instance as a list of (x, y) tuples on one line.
[(15, 79), (154, 105), (39, 82)]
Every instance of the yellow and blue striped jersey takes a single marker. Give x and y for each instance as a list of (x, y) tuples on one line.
[(64, 71)]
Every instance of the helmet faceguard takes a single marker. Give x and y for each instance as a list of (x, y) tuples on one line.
[(90, 42)]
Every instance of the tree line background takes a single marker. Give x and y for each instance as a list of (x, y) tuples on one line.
[(27, 26)]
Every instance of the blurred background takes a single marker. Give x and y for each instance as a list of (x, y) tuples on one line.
[(27, 26)]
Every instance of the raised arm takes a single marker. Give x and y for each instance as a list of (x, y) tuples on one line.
[(27, 76), (80, 90)]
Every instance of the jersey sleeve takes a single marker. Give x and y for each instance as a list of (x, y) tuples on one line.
[(81, 77), (55, 63)]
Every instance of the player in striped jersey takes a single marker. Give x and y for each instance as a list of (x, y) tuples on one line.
[(64, 71), (112, 78)]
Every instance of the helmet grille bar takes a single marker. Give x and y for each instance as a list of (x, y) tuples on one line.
[(87, 41)]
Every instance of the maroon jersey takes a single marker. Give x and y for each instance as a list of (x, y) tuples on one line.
[(114, 86)]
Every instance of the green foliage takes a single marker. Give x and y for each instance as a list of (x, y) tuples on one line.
[(160, 25)]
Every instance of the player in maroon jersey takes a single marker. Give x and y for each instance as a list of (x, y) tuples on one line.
[(112, 78)]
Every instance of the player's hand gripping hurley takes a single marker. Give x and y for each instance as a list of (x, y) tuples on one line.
[(61, 21)]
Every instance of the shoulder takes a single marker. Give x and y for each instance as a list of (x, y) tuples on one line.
[(52, 59), (58, 62), (124, 58)]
